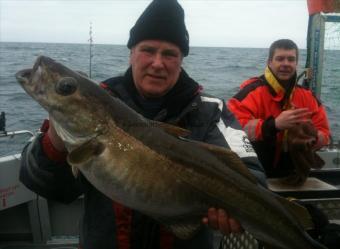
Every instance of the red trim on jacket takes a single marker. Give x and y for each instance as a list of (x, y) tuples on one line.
[(45, 125), (104, 85), (166, 238), (123, 224), (50, 151)]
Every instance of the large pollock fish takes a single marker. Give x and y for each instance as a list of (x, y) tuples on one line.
[(141, 164)]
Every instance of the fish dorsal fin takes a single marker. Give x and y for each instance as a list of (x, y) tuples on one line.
[(171, 129), (82, 73), (300, 213), (85, 152), (227, 157)]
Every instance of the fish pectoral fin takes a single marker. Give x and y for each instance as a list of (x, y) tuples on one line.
[(228, 158), (300, 213), (184, 231), (182, 228), (75, 171), (170, 129), (85, 152)]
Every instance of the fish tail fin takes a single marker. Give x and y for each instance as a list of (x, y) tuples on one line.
[(300, 212)]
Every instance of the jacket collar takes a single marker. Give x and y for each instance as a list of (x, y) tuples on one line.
[(280, 93), (273, 82)]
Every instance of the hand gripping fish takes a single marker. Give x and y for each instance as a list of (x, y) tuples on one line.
[(301, 139), (139, 163)]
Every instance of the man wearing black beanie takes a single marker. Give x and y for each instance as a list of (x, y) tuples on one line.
[(156, 86), (161, 20)]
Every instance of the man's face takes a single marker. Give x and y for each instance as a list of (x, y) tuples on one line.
[(283, 64), (156, 66)]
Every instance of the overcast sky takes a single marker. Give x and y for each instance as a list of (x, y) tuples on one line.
[(226, 23)]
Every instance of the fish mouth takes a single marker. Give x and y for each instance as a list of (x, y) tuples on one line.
[(23, 76)]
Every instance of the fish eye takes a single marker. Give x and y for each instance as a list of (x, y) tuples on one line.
[(66, 86)]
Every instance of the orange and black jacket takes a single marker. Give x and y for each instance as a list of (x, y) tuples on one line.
[(257, 104)]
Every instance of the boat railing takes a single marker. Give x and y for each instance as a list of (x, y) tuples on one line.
[(27, 219), (5, 133), (15, 133)]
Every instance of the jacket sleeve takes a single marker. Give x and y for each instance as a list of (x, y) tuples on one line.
[(226, 131), (246, 111), (47, 178), (320, 120)]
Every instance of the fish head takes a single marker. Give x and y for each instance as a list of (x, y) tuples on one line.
[(68, 96)]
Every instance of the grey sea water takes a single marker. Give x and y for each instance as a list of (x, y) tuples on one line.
[(219, 70)]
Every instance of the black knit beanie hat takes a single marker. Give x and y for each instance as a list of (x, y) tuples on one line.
[(161, 20)]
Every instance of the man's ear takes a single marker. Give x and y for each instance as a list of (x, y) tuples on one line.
[(131, 54)]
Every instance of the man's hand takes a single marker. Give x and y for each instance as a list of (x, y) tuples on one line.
[(289, 118), (56, 141), (219, 219)]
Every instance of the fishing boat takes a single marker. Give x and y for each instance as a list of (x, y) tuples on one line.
[(32, 222)]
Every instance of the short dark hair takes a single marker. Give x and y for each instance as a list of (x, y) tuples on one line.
[(285, 44)]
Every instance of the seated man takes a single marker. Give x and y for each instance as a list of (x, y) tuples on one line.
[(271, 108), (269, 105)]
